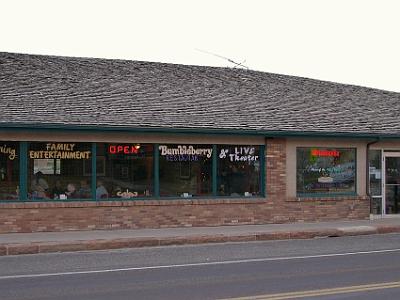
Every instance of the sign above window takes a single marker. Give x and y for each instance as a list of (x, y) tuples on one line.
[(59, 151), (185, 153), (9, 151), (325, 153), (240, 153), (124, 149)]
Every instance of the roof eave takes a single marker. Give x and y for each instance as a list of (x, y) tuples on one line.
[(240, 132)]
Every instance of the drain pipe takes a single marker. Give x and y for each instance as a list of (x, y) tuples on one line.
[(367, 174)]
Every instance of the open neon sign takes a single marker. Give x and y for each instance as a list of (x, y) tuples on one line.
[(123, 149), (325, 153)]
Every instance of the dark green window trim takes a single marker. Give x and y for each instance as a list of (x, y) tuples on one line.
[(262, 170), (214, 171), (356, 171), (23, 171), (156, 175), (94, 171)]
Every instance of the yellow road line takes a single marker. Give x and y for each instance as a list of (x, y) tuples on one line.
[(323, 292)]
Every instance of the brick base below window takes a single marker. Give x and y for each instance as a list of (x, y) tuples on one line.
[(50, 216)]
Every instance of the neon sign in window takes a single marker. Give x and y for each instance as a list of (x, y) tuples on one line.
[(124, 149), (326, 170)]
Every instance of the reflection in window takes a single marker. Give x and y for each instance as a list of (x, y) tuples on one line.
[(124, 171), (185, 170), (9, 170), (57, 171), (239, 171), (321, 170), (375, 180), (392, 184), (375, 172)]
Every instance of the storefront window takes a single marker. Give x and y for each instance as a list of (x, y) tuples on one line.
[(375, 172), (124, 171), (9, 170), (326, 170), (239, 171), (375, 180), (63, 171), (57, 171), (185, 170)]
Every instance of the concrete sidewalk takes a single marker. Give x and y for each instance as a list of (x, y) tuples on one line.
[(46, 242)]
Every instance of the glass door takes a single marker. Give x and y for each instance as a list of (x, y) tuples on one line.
[(392, 183)]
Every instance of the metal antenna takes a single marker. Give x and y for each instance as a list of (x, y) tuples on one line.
[(226, 58)]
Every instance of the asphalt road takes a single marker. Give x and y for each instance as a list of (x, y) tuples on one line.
[(363, 267)]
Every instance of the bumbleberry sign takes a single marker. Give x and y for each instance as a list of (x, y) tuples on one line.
[(184, 153)]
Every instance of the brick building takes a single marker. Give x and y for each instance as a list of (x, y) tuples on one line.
[(98, 144)]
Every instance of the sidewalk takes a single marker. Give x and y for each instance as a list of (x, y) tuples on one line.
[(46, 242)]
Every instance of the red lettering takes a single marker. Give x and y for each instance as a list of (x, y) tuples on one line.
[(126, 149), (325, 153)]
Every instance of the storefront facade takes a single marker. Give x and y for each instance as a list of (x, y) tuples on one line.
[(147, 180), (79, 176)]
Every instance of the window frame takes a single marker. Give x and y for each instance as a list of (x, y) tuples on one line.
[(261, 159), (329, 194), (103, 172), (23, 176), (195, 146), (16, 161)]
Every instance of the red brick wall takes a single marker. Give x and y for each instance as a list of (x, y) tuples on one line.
[(276, 208)]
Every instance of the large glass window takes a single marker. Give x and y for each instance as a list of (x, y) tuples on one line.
[(124, 171), (63, 170), (326, 170), (57, 171), (239, 171), (9, 170), (185, 170), (375, 172), (375, 180)]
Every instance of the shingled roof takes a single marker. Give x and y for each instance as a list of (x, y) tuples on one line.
[(51, 91)]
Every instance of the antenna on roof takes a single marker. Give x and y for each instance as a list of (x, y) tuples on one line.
[(226, 58)]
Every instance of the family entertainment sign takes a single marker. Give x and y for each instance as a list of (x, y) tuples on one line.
[(59, 151)]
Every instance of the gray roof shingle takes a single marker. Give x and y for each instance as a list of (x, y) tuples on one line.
[(60, 91)]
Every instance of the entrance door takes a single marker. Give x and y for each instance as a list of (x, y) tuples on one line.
[(392, 183)]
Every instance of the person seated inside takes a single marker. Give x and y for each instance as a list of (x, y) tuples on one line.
[(101, 191), (71, 191), (57, 190), (39, 186), (84, 190)]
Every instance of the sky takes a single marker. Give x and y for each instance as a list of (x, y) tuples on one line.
[(348, 41)]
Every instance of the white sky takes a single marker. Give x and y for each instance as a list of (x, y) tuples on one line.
[(349, 41)]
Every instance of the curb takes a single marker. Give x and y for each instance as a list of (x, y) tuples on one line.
[(100, 244)]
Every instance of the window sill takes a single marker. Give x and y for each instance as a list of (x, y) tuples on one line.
[(327, 198), (131, 202)]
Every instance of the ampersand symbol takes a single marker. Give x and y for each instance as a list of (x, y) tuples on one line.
[(223, 153)]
